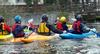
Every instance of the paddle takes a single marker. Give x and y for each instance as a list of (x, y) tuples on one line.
[(94, 31), (27, 35)]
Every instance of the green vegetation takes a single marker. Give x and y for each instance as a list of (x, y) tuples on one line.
[(28, 2), (97, 18), (49, 2), (63, 14)]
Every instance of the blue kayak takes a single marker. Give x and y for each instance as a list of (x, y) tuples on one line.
[(77, 36), (98, 34)]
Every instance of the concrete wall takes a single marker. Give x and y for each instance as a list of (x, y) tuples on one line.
[(13, 2), (95, 25)]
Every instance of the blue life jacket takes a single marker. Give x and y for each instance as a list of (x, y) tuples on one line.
[(18, 31)]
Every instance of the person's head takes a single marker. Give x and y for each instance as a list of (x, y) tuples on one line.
[(17, 19), (63, 19), (1, 19), (45, 18), (78, 17)]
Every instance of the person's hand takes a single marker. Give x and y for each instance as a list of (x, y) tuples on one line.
[(26, 35)]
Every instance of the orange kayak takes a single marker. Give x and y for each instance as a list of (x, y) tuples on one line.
[(32, 38)]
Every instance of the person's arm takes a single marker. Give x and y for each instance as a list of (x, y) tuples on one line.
[(53, 29), (7, 28), (85, 28), (65, 27)]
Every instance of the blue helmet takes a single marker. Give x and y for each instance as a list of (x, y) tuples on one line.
[(44, 18), (17, 18), (1, 19)]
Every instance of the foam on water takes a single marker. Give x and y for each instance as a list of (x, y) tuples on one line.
[(85, 46), (56, 46)]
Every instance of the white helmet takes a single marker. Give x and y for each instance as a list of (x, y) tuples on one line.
[(30, 21)]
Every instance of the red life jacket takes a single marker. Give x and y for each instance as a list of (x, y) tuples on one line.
[(76, 26), (59, 26), (4, 29), (14, 26), (17, 33)]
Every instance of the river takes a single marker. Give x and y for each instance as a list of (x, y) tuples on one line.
[(54, 46)]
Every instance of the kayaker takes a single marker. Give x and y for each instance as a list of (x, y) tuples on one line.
[(4, 28), (31, 25), (45, 27), (17, 28), (78, 26), (61, 24)]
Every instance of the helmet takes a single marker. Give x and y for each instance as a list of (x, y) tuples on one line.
[(63, 19), (17, 18), (44, 18), (1, 19), (78, 16), (58, 18), (30, 21)]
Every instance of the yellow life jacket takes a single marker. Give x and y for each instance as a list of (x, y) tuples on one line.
[(2, 30), (42, 29)]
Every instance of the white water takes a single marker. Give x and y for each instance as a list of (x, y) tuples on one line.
[(56, 46)]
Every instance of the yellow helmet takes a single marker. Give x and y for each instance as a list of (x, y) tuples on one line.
[(63, 19)]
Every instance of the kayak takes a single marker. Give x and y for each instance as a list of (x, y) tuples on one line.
[(98, 34), (77, 36), (32, 38), (5, 38)]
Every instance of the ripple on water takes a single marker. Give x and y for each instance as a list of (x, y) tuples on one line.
[(85, 46), (68, 46)]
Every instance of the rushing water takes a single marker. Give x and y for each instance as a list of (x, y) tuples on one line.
[(56, 46), (86, 46)]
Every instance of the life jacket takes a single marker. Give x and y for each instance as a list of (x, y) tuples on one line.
[(42, 29), (59, 26), (3, 31), (77, 26), (17, 30)]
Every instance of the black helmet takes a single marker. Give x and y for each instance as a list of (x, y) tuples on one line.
[(1, 19), (45, 18), (78, 17)]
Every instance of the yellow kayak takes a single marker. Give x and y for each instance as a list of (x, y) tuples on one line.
[(32, 37), (4, 38)]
